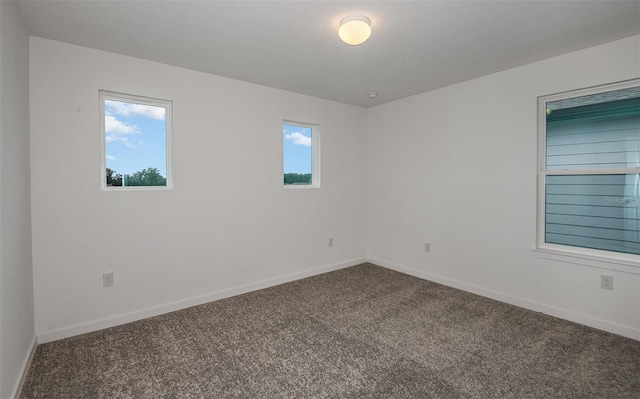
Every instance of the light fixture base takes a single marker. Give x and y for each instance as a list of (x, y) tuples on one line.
[(355, 29)]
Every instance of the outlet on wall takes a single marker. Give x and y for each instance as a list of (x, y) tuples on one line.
[(427, 247), (331, 241), (606, 282), (107, 279)]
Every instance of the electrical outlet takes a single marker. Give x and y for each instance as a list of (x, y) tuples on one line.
[(107, 279), (606, 282), (427, 247), (331, 241)]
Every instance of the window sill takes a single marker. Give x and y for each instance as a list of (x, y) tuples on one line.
[(627, 263), (138, 188), (300, 186)]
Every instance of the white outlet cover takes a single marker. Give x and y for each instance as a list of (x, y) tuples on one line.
[(606, 282), (107, 279)]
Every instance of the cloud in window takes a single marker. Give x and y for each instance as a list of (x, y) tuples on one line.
[(115, 126), (109, 138), (298, 138), (129, 109)]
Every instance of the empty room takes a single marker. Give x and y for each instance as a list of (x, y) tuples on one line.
[(319, 199)]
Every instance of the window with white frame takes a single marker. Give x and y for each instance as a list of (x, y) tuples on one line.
[(301, 154), (135, 138), (589, 174)]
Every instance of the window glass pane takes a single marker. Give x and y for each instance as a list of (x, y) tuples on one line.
[(594, 211), (135, 144), (599, 131), (298, 154)]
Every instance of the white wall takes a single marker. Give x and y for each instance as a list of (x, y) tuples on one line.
[(227, 227), (457, 167), (16, 286)]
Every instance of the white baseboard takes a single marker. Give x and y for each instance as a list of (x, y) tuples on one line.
[(112, 321), (601, 324), (26, 363)]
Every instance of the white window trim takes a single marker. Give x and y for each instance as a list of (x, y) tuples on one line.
[(629, 263), (168, 106), (315, 155)]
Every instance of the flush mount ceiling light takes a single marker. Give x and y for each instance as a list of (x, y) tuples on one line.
[(354, 29)]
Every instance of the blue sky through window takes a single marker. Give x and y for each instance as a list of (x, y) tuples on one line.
[(135, 137), (297, 149)]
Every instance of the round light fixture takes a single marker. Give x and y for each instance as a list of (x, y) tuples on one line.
[(354, 29)]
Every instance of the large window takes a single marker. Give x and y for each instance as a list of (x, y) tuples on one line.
[(589, 179), (301, 153), (136, 142)]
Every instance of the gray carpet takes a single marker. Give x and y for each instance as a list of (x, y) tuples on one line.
[(361, 332)]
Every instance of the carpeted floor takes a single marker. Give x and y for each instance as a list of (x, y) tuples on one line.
[(361, 332)]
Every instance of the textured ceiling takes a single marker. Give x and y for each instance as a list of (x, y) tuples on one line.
[(416, 46)]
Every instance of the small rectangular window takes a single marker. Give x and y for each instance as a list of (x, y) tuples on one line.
[(301, 143), (590, 170), (135, 137)]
